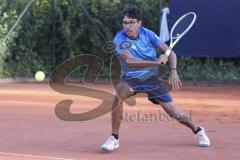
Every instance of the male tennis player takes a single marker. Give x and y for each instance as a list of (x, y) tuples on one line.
[(139, 70)]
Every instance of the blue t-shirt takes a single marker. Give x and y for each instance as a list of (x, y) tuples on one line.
[(142, 48)]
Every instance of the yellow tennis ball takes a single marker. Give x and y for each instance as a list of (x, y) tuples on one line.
[(39, 76)]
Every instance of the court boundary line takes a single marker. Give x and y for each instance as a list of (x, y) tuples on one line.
[(34, 156)]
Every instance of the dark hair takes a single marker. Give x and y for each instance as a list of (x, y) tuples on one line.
[(133, 11)]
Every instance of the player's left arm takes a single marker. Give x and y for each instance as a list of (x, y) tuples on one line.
[(172, 59)]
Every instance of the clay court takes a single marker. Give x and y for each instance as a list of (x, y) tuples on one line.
[(30, 130)]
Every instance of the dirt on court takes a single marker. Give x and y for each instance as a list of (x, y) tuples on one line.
[(30, 130)]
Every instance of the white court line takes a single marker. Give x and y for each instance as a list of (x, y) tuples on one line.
[(26, 102), (33, 156)]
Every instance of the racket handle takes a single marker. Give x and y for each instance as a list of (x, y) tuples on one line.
[(168, 52)]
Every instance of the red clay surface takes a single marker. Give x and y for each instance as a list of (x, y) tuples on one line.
[(29, 126)]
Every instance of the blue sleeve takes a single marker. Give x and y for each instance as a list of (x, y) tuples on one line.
[(117, 42), (121, 44), (154, 39)]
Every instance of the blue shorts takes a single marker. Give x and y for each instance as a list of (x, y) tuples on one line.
[(152, 86)]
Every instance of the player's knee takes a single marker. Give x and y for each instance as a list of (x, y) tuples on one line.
[(124, 90)]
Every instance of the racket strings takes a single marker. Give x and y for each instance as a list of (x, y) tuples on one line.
[(182, 26)]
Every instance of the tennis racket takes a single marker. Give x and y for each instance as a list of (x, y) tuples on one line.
[(179, 29)]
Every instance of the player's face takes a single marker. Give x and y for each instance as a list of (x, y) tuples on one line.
[(131, 26)]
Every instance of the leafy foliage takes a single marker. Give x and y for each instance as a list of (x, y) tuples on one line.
[(83, 27)]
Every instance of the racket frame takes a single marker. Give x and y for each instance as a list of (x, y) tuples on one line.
[(173, 43)]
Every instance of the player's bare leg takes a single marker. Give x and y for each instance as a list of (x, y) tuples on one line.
[(117, 114), (123, 91), (179, 115), (185, 119)]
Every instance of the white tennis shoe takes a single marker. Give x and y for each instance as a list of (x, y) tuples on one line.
[(110, 144), (203, 140)]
